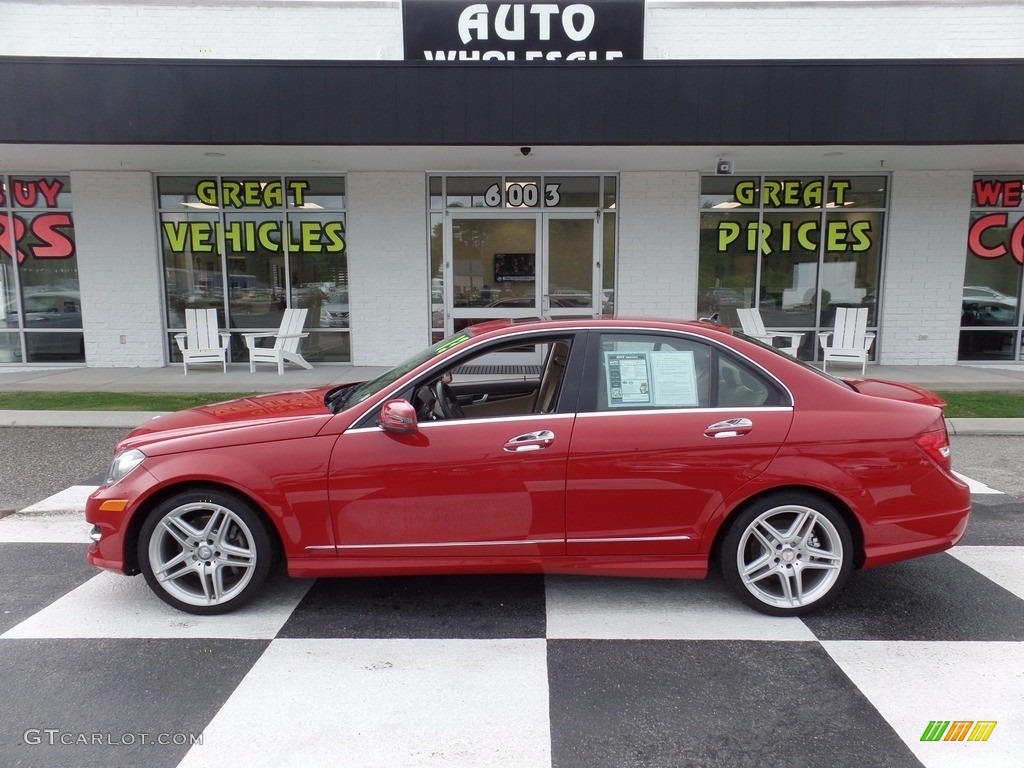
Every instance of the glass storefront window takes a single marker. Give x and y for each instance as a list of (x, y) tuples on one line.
[(990, 318), (435, 193), (611, 186), (39, 290), (252, 247), (193, 273), (727, 274), (572, 191), (608, 264), (437, 298), (788, 295), (795, 247), (469, 191)]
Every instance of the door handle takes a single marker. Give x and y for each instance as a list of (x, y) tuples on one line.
[(729, 428), (531, 441)]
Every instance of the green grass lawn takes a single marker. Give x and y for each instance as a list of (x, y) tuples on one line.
[(111, 401), (984, 405), (961, 404)]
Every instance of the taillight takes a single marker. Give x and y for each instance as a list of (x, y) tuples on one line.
[(935, 443)]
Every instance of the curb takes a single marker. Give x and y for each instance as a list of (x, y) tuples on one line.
[(109, 419), (994, 427)]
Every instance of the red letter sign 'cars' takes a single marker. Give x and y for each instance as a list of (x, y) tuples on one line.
[(629, 447)]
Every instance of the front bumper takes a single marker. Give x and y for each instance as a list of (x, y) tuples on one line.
[(111, 509)]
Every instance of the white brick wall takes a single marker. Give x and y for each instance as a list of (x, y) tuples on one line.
[(388, 266), (372, 29), (832, 29), (924, 273), (118, 269), (659, 230), (247, 29)]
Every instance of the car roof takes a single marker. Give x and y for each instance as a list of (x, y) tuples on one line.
[(704, 327)]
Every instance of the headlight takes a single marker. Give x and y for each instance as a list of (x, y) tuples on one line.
[(124, 463)]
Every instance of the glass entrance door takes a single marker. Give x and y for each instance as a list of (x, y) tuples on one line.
[(521, 265), (492, 268), (571, 270)]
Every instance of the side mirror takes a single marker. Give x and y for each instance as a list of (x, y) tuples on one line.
[(398, 416)]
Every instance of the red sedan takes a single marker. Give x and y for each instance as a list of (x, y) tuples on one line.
[(631, 448)]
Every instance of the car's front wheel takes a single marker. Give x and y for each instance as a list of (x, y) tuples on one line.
[(788, 554), (205, 551)]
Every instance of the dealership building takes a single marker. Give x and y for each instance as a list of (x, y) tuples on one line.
[(403, 169)]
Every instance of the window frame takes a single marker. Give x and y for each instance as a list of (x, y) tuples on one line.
[(591, 373)]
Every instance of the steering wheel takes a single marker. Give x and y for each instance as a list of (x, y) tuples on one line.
[(447, 401)]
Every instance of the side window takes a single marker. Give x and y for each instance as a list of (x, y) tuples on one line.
[(526, 377), (638, 371), (740, 386)]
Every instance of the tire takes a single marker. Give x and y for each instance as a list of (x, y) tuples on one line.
[(205, 552), (788, 554)]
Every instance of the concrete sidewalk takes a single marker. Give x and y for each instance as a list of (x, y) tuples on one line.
[(953, 378)]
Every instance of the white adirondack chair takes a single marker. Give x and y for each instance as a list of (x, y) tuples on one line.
[(286, 343), (850, 341), (753, 325), (203, 341)]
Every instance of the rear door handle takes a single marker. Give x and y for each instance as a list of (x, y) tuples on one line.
[(729, 428), (531, 441)]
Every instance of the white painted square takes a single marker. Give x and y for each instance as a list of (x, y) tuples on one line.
[(45, 528), (386, 703), (976, 486), (1003, 565), (913, 683), (111, 605), (71, 499), (57, 519), (658, 609)]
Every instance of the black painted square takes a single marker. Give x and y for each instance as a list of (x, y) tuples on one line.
[(129, 693), (621, 703), (470, 607), (34, 575), (934, 598)]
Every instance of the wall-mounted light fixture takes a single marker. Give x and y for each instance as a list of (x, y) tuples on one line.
[(723, 167)]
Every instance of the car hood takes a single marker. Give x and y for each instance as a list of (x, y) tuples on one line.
[(232, 414), (896, 390)]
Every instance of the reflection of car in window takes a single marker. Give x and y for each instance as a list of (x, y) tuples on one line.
[(987, 313), (982, 293), (334, 312), (45, 310), (721, 297), (528, 301)]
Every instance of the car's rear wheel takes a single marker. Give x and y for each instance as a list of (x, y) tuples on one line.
[(788, 554), (205, 552)]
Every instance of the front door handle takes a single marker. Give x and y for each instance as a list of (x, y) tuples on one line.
[(729, 428), (531, 441)]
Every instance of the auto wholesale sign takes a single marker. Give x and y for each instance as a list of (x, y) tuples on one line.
[(455, 30)]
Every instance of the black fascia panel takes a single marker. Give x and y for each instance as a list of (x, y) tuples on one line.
[(132, 101)]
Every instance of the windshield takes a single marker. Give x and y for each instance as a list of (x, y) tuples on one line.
[(370, 388)]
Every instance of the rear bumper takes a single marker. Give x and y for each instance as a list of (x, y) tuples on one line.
[(915, 537)]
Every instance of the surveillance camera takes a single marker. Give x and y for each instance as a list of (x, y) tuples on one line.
[(525, 151)]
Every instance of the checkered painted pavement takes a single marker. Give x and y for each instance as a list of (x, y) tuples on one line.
[(514, 671)]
